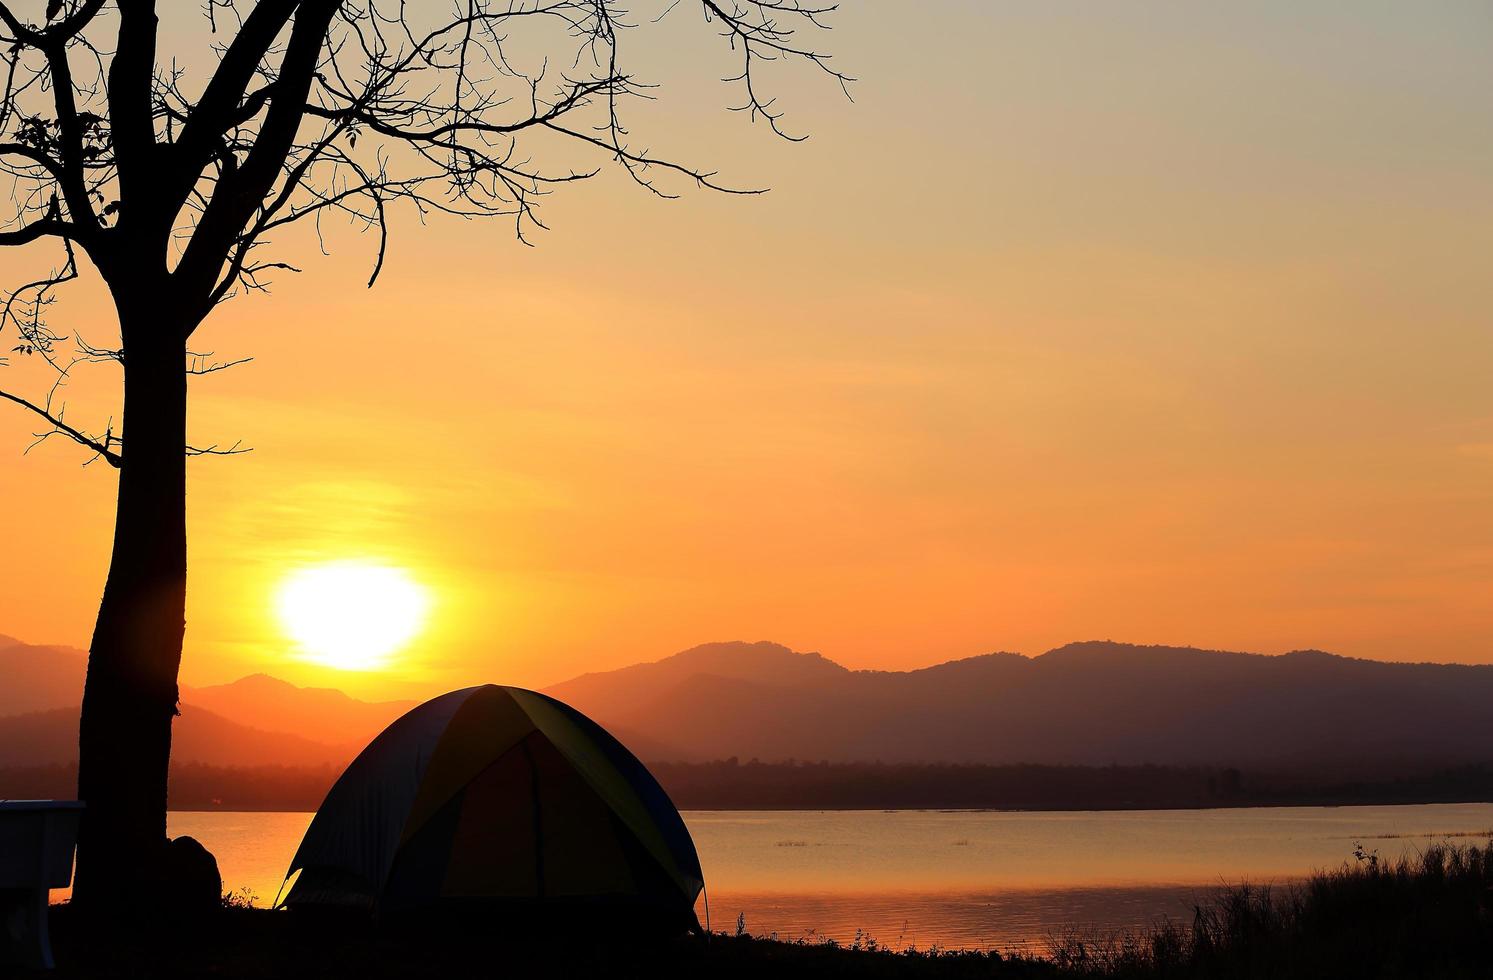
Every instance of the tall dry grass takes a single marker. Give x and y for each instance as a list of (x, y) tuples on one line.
[(1429, 914)]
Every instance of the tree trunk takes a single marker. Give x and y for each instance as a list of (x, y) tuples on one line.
[(129, 698)]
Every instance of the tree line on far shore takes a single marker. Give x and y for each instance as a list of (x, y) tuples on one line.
[(731, 784)]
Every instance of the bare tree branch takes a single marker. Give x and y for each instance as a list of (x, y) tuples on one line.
[(38, 229), (215, 450), (131, 105), (58, 425), (354, 110)]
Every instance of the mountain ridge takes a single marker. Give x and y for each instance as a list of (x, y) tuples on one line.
[(322, 714), (1093, 702), (50, 737)]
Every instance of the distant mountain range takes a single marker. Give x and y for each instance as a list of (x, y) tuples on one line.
[(51, 738), (1084, 704), (1095, 703), (256, 720)]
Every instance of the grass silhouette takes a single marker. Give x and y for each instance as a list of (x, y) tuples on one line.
[(1429, 914)]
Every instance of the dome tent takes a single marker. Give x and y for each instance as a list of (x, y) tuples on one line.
[(498, 794)]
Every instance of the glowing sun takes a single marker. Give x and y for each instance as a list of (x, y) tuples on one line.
[(351, 614)]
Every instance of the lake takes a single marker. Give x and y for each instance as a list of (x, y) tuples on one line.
[(957, 879)]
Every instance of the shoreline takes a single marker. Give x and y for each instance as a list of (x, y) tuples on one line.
[(1355, 804)]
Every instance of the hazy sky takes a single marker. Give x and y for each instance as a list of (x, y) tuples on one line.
[(1157, 322)]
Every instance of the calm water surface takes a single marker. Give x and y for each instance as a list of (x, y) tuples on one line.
[(973, 879)]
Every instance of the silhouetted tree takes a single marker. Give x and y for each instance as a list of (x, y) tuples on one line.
[(171, 184)]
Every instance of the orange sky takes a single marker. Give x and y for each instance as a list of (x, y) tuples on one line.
[(1157, 324)]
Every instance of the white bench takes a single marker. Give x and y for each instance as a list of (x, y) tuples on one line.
[(36, 854)]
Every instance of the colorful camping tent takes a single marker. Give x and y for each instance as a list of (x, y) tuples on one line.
[(497, 794)]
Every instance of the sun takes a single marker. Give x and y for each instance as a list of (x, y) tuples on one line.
[(351, 615)]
